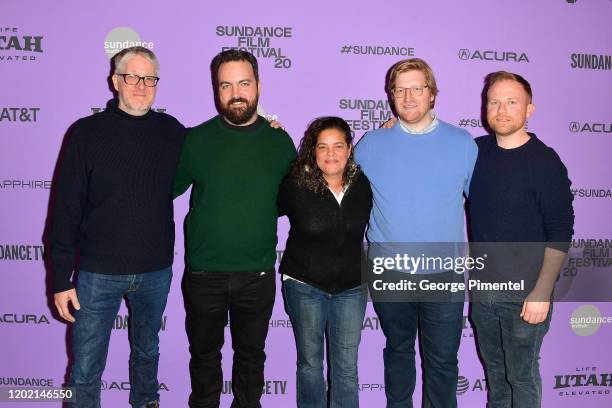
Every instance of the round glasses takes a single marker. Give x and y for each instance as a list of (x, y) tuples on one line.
[(414, 91)]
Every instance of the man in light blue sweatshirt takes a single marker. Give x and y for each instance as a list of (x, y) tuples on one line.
[(419, 169)]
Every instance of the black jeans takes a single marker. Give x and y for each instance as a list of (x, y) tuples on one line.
[(248, 298)]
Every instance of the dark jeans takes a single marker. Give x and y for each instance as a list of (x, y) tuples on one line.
[(315, 314), (248, 298), (441, 324), (100, 297), (510, 349)]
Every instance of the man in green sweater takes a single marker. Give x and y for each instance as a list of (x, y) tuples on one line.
[(235, 162)]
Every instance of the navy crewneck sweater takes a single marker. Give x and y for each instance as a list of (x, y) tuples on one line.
[(520, 195), (113, 195)]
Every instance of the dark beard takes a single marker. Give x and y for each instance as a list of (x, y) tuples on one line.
[(239, 116)]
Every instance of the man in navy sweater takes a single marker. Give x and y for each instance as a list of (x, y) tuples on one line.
[(113, 212), (520, 208)]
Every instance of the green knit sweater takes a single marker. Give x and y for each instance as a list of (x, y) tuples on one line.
[(235, 172)]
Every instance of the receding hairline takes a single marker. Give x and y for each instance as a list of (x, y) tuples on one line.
[(124, 56), (521, 86)]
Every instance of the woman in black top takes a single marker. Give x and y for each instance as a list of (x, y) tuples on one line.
[(328, 201)]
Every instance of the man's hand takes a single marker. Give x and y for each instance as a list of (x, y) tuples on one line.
[(61, 303), (534, 312), (389, 124), (276, 124)]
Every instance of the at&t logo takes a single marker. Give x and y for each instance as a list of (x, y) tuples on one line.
[(463, 385)]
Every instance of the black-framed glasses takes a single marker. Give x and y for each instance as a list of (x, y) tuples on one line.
[(414, 91), (132, 79)]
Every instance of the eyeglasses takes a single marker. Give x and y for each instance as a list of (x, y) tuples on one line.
[(414, 91), (132, 79)]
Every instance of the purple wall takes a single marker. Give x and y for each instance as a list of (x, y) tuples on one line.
[(329, 55)]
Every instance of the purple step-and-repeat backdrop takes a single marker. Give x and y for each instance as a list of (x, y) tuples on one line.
[(316, 58)]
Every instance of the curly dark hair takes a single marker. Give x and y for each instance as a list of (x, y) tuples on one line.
[(305, 169)]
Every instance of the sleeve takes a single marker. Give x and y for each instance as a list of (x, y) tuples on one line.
[(554, 198), (284, 195), (290, 151), (370, 196), (183, 177), (470, 160), (69, 201), (361, 151)]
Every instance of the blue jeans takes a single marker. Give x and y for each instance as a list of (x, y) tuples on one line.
[(510, 350), (441, 324), (314, 314), (100, 297)]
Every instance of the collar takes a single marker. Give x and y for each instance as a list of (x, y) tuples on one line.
[(434, 124)]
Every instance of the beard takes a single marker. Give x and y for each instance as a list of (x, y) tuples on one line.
[(239, 116)]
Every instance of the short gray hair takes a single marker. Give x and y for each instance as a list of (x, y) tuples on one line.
[(123, 56)]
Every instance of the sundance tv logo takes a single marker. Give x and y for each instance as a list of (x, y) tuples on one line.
[(123, 37), (590, 127), (466, 54), (21, 252), (16, 47), (270, 387)]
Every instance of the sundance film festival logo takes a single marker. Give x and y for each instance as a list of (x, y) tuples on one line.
[(18, 114), (584, 381), (463, 385), (586, 255), (16, 318), (492, 55), (123, 37), (17, 47), (586, 320), (586, 127), (367, 114), (22, 252), (125, 386), (270, 387), (259, 41)]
